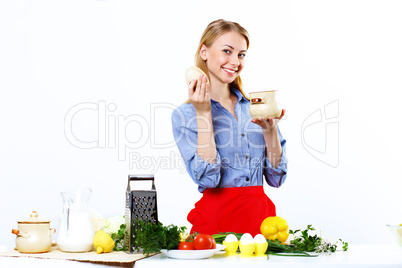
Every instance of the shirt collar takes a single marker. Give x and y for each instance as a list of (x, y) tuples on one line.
[(237, 92)]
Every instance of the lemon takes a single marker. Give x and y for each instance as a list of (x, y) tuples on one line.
[(103, 242)]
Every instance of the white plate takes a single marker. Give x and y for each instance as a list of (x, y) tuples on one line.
[(192, 254)]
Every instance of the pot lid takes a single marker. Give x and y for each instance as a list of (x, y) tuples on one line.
[(34, 219)]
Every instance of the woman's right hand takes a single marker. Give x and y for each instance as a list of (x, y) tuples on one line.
[(198, 94)]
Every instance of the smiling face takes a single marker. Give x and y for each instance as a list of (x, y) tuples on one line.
[(225, 57)]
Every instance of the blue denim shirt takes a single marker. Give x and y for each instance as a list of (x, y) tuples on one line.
[(241, 157)]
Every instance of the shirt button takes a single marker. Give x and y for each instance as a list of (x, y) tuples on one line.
[(243, 134), (246, 156), (247, 179)]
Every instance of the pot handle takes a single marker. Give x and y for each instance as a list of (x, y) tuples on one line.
[(256, 100), (20, 233), (52, 231)]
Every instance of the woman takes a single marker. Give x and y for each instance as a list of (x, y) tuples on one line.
[(226, 152)]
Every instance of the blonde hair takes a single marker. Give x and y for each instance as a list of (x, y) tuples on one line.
[(213, 31)]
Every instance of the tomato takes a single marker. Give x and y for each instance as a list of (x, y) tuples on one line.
[(213, 245), (186, 246), (213, 242), (203, 241)]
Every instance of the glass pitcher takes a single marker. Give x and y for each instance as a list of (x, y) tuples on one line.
[(75, 230)]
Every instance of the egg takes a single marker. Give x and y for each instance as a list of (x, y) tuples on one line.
[(259, 239), (261, 245), (231, 238), (246, 239), (246, 245)]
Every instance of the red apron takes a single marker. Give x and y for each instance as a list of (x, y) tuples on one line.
[(237, 209)]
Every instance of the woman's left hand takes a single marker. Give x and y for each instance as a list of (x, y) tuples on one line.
[(268, 123)]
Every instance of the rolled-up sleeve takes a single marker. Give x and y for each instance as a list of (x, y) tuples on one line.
[(275, 177), (203, 173)]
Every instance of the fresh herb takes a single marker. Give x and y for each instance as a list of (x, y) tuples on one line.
[(119, 238), (151, 238), (173, 236), (313, 243), (345, 245)]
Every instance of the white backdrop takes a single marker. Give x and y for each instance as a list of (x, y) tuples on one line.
[(87, 90)]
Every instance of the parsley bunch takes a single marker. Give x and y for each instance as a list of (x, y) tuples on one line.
[(151, 238), (313, 243)]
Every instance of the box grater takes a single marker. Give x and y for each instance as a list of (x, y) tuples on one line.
[(140, 205)]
